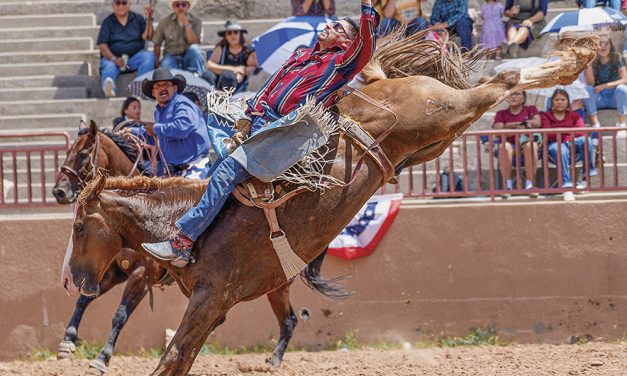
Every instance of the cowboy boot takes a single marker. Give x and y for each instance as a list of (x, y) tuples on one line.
[(177, 250)]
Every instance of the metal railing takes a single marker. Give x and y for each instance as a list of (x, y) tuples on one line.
[(470, 166), (29, 164)]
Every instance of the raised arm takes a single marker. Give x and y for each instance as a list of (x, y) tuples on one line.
[(359, 52)]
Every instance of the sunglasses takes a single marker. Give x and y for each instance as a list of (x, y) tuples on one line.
[(232, 32), (180, 4), (120, 3), (604, 43), (338, 28)]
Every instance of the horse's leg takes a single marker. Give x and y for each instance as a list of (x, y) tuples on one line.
[(204, 312), (136, 289), (70, 339), (280, 302)]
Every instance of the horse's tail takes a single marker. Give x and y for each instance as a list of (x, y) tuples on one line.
[(327, 287)]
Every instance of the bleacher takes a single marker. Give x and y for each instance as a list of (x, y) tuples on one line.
[(49, 78)]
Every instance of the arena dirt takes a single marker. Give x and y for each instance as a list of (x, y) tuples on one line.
[(528, 360)]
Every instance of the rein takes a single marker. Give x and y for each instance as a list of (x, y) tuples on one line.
[(141, 146)]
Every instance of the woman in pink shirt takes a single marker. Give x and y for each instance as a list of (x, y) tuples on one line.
[(560, 116)]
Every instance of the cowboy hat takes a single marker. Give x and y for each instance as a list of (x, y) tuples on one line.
[(232, 25), (163, 74), (191, 3)]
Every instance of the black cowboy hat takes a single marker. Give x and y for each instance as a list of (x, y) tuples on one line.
[(163, 74), (232, 25)]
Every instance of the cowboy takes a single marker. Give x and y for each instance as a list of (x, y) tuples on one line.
[(343, 49), (179, 126), (121, 40), (232, 61), (180, 34)]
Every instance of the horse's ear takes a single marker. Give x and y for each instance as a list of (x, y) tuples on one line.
[(93, 128), (94, 188), (82, 125)]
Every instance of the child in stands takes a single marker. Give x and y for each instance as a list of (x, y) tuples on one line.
[(493, 31)]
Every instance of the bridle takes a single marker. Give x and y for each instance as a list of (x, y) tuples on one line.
[(89, 170)]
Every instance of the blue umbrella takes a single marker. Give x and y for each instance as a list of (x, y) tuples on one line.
[(195, 84), (586, 18), (276, 45)]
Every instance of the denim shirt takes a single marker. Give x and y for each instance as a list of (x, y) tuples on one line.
[(181, 130)]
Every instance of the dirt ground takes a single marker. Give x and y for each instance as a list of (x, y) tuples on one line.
[(529, 360)]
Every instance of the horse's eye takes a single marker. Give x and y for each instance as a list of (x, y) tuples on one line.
[(79, 228), (83, 153)]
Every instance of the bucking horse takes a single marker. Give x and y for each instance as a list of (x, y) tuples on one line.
[(410, 119)]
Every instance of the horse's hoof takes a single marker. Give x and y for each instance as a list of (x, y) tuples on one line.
[(96, 367), (273, 361), (66, 349)]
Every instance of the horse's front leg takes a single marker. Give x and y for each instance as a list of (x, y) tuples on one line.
[(280, 302), (204, 312), (137, 286), (70, 339)]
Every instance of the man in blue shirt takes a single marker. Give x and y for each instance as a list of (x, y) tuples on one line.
[(179, 125), (123, 34), (452, 15)]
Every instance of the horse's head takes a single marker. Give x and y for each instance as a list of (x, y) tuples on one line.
[(80, 165), (94, 243)]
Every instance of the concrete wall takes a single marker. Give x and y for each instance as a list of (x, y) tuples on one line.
[(540, 272)]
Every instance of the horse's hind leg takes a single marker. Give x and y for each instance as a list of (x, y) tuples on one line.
[(280, 302), (204, 312), (136, 289), (70, 338)]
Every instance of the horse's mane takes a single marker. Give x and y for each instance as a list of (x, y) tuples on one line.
[(134, 184), (127, 148), (398, 55)]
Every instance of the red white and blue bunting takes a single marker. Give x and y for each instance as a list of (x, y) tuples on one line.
[(361, 236)]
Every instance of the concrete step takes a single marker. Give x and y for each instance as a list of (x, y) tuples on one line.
[(41, 122), (59, 44), (50, 32), (51, 56), (43, 93), (50, 7), (89, 82), (11, 21), (31, 69)]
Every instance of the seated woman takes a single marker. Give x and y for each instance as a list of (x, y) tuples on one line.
[(606, 78), (231, 61), (560, 116), (614, 4), (131, 110), (518, 116), (526, 21)]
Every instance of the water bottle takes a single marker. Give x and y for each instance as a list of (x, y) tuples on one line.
[(125, 61)]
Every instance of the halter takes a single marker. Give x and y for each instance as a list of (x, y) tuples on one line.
[(93, 163)]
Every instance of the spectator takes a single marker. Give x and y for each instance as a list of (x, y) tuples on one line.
[(396, 12), (518, 116), (606, 78), (526, 21), (560, 116), (452, 15), (614, 4), (179, 125), (131, 110), (180, 34), (232, 61), (318, 8), (121, 41), (493, 31)]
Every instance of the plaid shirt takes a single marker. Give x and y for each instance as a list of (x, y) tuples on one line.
[(316, 8), (317, 73), (448, 11)]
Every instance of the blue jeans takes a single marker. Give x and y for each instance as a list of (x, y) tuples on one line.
[(226, 79), (192, 60), (142, 62), (463, 28), (567, 181), (608, 98), (389, 24), (226, 176), (612, 3)]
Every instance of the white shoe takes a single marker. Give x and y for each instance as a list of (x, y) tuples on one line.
[(620, 125), (596, 125), (568, 196), (582, 184), (108, 87)]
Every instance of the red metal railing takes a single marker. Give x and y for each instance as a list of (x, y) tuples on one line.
[(475, 168), (24, 164)]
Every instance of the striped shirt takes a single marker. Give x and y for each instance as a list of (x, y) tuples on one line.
[(317, 73)]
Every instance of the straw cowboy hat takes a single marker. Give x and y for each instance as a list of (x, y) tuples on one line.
[(191, 3), (163, 74), (232, 25)]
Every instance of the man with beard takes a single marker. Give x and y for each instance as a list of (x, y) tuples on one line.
[(343, 50)]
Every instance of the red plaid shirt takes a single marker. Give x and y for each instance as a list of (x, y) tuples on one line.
[(318, 73)]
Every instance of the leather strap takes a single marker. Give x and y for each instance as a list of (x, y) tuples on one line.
[(240, 194), (270, 214)]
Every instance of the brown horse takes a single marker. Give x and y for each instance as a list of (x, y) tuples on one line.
[(235, 260), (101, 149)]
